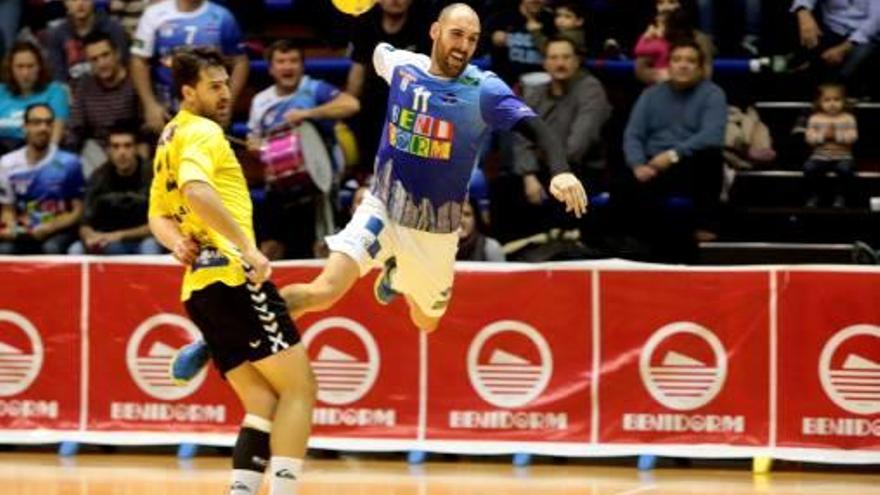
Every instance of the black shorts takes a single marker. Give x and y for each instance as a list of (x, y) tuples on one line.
[(242, 323)]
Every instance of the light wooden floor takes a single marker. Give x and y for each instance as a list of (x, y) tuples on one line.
[(44, 474)]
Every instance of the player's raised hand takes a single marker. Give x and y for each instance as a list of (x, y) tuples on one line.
[(568, 189), (256, 266)]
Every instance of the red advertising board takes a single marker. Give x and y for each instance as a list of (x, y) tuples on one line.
[(136, 323), (40, 353), (829, 360), (685, 357), (512, 359), (366, 360)]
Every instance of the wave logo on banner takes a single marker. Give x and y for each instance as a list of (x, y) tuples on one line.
[(849, 369), (509, 363), (345, 359), (21, 353), (150, 351), (683, 365)]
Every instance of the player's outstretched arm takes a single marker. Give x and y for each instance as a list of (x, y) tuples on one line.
[(564, 186), (206, 203)]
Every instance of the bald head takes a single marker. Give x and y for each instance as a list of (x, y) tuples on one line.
[(458, 9), (455, 34)]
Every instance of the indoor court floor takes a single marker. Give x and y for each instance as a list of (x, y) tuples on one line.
[(120, 474)]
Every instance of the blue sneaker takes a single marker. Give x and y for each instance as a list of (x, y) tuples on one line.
[(189, 361), (382, 288)]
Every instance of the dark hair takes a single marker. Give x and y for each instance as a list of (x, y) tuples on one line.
[(562, 39), (43, 77), (680, 24), (282, 46), (689, 43), (123, 127), (825, 87), (34, 106), (96, 37), (188, 63), (577, 8)]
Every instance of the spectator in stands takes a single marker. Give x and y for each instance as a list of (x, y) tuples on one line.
[(568, 18), (26, 81), (674, 21), (41, 190), (394, 22), (10, 15), (294, 98), (167, 25), (831, 132), (473, 244), (66, 40), (513, 49), (127, 13), (750, 21), (674, 137), (575, 106), (115, 217), (847, 38), (102, 98)]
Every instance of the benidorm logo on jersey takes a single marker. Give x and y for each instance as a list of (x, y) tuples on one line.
[(21, 353), (346, 362), (420, 134)]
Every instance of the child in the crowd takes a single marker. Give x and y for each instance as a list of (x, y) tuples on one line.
[(831, 132), (674, 21), (569, 21)]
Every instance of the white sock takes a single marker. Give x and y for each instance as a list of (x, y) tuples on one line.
[(284, 472), (245, 482)]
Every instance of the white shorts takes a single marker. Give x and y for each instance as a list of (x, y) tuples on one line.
[(425, 260)]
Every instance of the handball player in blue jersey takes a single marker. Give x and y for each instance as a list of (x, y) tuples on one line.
[(440, 113)]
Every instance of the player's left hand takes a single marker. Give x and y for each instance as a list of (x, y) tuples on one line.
[(257, 266), (568, 189)]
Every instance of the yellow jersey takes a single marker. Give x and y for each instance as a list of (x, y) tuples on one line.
[(194, 148)]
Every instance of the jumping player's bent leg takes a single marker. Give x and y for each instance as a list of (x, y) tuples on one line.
[(291, 377), (420, 319), (338, 276)]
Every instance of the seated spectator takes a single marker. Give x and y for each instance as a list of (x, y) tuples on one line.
[(102, 98), (66, 41), (169, 24), (41, 191), (394, 22), (831, 132), (575, 106), (115, 217), (514, 51), (473, 244), (25, 82), (673, 22), (294, 98), (748, 26), (845, 41), (674, 137), (568, 18)]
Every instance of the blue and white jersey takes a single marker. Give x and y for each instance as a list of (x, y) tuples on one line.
[(41, 191), (434, 131), (268, 107), (163, 28)]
